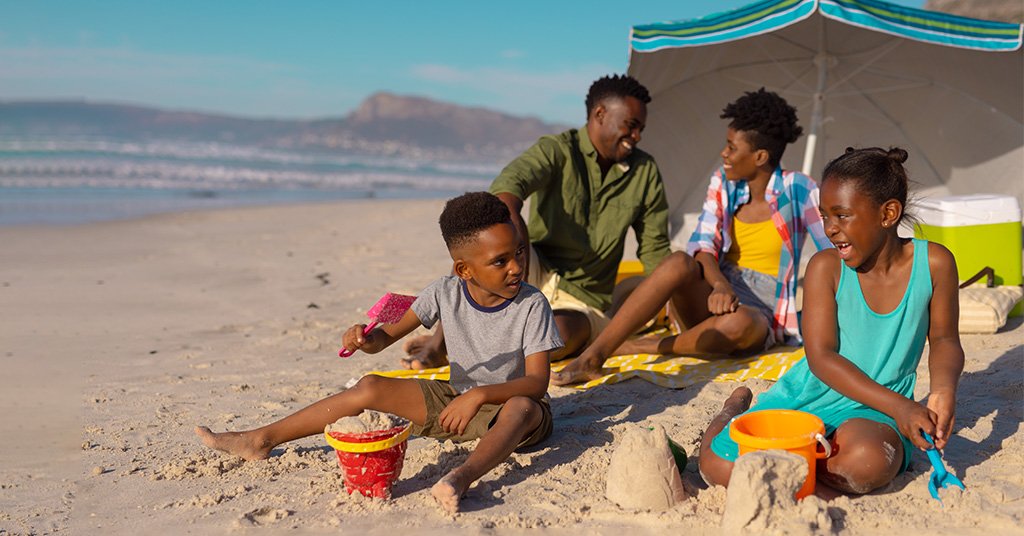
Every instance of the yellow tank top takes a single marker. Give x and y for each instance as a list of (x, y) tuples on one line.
[(755, 246)]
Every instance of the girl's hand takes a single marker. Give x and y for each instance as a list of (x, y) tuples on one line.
[(456, 415), (943, 404), (353, 339), (722, 300), (911, 418)]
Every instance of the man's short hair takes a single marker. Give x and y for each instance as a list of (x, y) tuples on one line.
[(465, 216), (768, 120), (616, 86)]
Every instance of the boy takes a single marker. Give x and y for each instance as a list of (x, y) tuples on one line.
[(499, 332)]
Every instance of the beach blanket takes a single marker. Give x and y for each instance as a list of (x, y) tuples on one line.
[(666, 371)]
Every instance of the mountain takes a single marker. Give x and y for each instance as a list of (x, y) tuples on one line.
[(383, 125)]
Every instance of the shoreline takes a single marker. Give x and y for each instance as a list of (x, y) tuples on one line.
[(121, 336)]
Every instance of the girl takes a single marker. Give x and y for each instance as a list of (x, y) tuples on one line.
[(869, 306)]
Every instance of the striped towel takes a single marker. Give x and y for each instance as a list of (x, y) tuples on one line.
[(670, 372)]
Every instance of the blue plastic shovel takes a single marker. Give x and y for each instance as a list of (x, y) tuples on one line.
[(940, 478)]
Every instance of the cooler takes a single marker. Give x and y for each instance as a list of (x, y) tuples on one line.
[(980, 230)]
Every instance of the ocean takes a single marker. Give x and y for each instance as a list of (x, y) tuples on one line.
[(70, 181)]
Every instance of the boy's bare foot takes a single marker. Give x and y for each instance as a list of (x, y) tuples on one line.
[(419, 355), (237, 443), (448, 491), (579, 370)]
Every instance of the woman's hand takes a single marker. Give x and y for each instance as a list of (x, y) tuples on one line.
[(722, 300)]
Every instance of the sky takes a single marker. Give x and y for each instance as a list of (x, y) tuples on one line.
[(300, 60)]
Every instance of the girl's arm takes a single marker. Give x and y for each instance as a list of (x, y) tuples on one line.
[(821, 341), (945, 355), (456, 415), (381, 336)]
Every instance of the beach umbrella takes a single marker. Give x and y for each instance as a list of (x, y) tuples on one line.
[(861, 73)]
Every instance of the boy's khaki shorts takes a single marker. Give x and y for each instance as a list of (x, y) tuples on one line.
[(437, 394), (559, 299)]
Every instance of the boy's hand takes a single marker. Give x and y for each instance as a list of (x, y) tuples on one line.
[(911, 418), (722, 300), (354, 339), (943, 403), (456, 415)]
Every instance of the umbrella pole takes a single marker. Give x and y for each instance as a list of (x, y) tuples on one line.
[(821, 61)]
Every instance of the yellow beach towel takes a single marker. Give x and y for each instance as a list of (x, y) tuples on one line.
[(671, 372)]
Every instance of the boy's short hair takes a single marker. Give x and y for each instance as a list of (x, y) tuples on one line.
[(616, 86), (768, 120), (465, 216)]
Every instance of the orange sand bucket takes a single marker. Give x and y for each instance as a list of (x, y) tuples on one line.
[(783, 429), (371, 461)]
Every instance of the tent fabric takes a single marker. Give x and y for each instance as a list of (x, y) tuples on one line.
[(771, 15), (860, 73)]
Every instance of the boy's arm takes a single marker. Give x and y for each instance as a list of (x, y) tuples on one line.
[(456, 415), (381, 336), (821, 342), (945, 355)]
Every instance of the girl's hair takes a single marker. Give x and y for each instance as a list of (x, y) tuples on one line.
[(878, 173)]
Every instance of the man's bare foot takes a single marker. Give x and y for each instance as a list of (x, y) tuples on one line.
[(448, 491), (426, 358), (579, 370), (238, 443), (648, 344), (415, 345)]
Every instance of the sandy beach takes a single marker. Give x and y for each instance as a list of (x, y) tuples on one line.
[(120, 337)]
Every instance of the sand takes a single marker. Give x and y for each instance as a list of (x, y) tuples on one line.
[(119, 338), (367, 421)]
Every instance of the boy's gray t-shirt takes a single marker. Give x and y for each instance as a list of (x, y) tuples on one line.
[(487, 345)]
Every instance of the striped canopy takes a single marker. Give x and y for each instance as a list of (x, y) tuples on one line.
[(860, 73)]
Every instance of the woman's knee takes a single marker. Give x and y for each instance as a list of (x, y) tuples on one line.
[(745, 327), (867, 455), (679, 267)]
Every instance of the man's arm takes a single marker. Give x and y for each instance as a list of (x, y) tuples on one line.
[(652, 227)]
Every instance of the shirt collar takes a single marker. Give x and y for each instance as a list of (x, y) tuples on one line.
[(588, 150)]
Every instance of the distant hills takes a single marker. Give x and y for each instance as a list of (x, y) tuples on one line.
[(383, 125)]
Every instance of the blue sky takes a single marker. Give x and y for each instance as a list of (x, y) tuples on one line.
[(320, 59)]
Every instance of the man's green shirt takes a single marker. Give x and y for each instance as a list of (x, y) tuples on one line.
[(578, 220)]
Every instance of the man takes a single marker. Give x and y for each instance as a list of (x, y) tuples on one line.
[(587, 187)]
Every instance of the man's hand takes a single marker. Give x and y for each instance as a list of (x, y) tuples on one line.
[(456, 415)]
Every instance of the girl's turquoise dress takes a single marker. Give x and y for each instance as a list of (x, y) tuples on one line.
[(886, 347)]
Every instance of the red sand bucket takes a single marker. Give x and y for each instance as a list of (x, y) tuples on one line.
[(798, 432), (371, 461)]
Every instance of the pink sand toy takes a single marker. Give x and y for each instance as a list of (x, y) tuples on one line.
[(388, 310)]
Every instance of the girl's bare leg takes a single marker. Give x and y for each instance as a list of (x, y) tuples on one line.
[(400, 397), (868, 455)]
